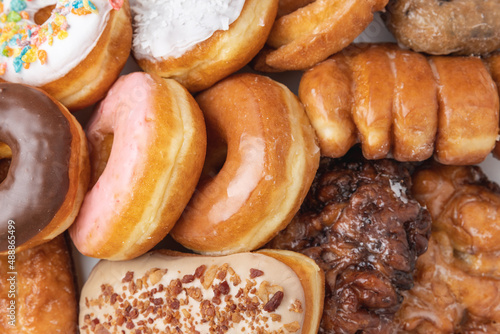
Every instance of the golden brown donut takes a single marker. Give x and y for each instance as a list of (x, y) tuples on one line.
[(75, 82), (271, 161), (493, 63), (438, 27), (398, 102), (269, 291), (310, 31), (45, 294), (210, 58), (457, 283), (147, 141)]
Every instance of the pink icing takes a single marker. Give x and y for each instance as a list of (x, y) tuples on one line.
[(127, 113), (116, 4)]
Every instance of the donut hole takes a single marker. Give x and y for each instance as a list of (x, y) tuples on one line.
[(99, 157), (5, 158), (43, 14), (215, 159)]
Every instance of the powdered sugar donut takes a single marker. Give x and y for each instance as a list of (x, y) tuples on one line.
[(199, 42), (67, 55)]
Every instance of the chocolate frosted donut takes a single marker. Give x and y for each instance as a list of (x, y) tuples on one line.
[(48, 173)]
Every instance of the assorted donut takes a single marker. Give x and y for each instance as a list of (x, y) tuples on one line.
[(74, 50), (351, 207), (270, 160), (399, 102), (438, 27), (47, 174)]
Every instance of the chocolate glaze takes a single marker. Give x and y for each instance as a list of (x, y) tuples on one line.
[(37, 181)]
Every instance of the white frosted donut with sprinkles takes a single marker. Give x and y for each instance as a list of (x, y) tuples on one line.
[(49, 54)]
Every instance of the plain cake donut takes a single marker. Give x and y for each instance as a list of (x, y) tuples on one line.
[(147, 146), (271, 160)]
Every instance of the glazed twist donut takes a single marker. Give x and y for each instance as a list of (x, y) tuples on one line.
[(268, 291), (200, 42), (461, 27), (147, 146), (270, 163), (399, 102), (49, 171), (310, 31), (75, 54)]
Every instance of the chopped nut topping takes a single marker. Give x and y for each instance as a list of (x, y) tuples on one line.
[(275, 317), (255, 273), (274, 303), (292, 327), (200, 271), (296, 307), (209, 276), (179, 305), (128, 277), (156, 275)]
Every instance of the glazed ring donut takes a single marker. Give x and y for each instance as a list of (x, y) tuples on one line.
[(461, 27), (200, 42), (147, 146), (49, 170), (75, 55), (271, 161), (274, 291), (493, 63), (399, 102), (45, 297), (310, 34)]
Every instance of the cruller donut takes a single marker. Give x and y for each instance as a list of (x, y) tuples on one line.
[(265, 292), (147, 146), (199, 42), (271, 161), (75, 55), (49, 170), (399, 102)]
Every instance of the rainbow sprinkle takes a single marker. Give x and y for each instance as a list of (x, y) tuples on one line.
[(21, 39)]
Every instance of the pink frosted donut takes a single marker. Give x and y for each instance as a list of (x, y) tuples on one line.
[(147, 140)]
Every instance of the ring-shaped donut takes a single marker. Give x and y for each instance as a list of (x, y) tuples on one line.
[(305, 36), (49, 171), (271, 160), (200, 42), (147, 146), (75, 55), (437, 27)]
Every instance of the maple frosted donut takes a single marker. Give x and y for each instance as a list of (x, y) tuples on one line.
[(75, 54), (147, 146), (49, 169), (271, 160), (265, 292), (199, 42)]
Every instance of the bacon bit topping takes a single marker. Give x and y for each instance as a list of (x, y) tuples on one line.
[(256, 273), (207, 296), (129, 276)]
